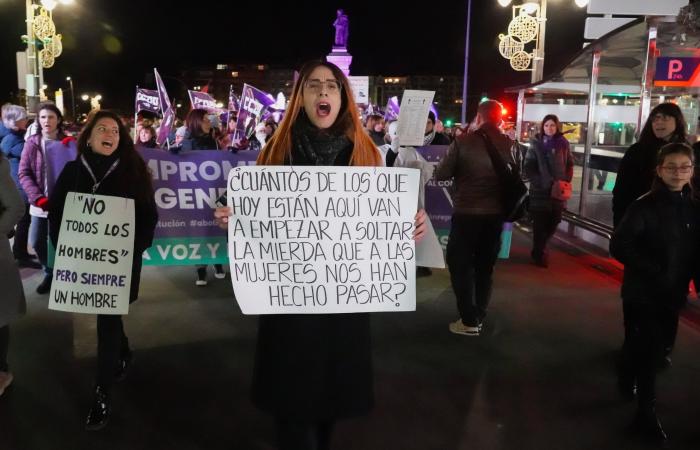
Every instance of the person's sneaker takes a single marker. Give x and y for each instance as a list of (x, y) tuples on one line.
[(201, 277), (219, 271), (27, 263), (5, 381), (45, 285), (458, 327), (99, 413)]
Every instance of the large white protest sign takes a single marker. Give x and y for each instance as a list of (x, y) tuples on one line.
[(92, 270), (307, 240), (360, 89), (413, 114)]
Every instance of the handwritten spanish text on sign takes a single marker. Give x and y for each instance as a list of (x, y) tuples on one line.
[(318, 240), (92, 269)]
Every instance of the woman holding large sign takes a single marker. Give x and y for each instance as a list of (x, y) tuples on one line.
[(313, 369), (108, 164)]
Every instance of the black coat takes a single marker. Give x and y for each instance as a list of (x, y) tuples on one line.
[(658, 241), (76, 178), (314, 366), (634, 175)]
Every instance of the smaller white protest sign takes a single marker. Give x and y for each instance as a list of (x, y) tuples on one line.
[(413, 114), (320, 240), (360, 89), (92, 270)]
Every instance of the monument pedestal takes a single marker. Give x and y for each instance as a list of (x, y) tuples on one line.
[(341, 58)]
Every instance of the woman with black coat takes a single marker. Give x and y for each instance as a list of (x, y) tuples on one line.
[(548, 161), (108, 164), (637, 167), (658, 241), (314, 369)]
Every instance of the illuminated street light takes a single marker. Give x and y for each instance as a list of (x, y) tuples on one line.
[(85, 97), (530, 7), (504, 3), (581, 3), (49, 4)]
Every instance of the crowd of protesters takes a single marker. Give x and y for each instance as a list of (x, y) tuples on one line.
[(656, 219)]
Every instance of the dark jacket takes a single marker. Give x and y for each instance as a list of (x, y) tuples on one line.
[(439, 139), (477, 187), (634, 175), (12, 145), (377, 137), (314, 367), (658, 241), (76, 178), (545, 163)]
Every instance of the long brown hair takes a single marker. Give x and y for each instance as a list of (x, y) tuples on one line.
[(136, 170), (364, 153)]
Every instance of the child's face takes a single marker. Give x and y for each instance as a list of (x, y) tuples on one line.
[(676, 171)]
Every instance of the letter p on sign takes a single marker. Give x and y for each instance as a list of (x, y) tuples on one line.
[(674, 66)]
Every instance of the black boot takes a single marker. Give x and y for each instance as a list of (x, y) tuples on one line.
[(99, 411), (647, 423), (627, 386), (123, 366), (45, 285)]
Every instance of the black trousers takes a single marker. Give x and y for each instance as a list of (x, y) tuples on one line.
[(112, 345), (544, 224), (301, 435), (19, 246), (649, 330), (471, 254), (4, 346)]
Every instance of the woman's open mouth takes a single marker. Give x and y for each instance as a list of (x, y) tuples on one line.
[(323, 109), (107, 144)]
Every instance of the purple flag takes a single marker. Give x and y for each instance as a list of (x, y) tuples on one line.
[(392, 109), (162, 93), (202, 100), (165, 126), (147, 100), (438, 198), (254, 103), (233, 102)]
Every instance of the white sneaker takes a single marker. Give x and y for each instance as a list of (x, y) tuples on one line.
[(219, 272), (5, 381), (457, 327), (201, 276)]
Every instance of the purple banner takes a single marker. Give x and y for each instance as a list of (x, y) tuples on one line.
[(438, 199), (392, 109), (56, 157), (254, 104), (187, 186), (147, 100), (202, 100)]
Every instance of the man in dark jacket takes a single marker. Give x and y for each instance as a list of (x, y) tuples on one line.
[(475, 237)]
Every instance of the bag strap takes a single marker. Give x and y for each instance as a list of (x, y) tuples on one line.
[(499, 165)]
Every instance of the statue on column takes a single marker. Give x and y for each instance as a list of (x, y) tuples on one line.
[(342, 30)]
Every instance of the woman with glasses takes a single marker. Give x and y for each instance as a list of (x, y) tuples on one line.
[(314, 369), (637, 168), (658, 241)]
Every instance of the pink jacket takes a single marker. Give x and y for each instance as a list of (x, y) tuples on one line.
[(32, 168)]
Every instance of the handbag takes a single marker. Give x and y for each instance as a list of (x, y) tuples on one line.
[(561, 190), (514, 193)]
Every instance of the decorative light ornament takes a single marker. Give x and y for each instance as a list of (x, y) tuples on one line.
[(530, 8), (49, 4), (509, 45), (523, 29), (43, 25)]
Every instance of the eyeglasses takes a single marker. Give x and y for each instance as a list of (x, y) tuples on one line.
[(316, 85), (678, 169)]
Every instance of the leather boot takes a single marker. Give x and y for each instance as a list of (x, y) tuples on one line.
[(99, 411), (647, 423)]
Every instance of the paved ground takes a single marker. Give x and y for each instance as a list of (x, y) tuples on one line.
[(541, 376)]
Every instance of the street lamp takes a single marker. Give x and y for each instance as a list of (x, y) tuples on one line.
[(72, 97), (85, 97)]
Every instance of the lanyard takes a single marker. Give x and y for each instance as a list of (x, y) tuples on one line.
[(96, 184)]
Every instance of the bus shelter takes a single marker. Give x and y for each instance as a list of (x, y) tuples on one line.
[(603, 97)]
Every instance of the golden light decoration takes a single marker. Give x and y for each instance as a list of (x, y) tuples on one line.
[(43, 25), (509, 45), (524, 27), (520, 61), (47, 57)]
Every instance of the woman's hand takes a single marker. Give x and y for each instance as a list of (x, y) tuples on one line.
[(421, 225), (221, 215)]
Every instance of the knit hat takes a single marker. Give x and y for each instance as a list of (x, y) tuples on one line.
[(431, 117)]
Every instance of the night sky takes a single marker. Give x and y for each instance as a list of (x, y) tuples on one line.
[(109, 46)]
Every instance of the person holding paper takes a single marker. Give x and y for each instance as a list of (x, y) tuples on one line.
[(108, 164), (12, 304), (314, 369)]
